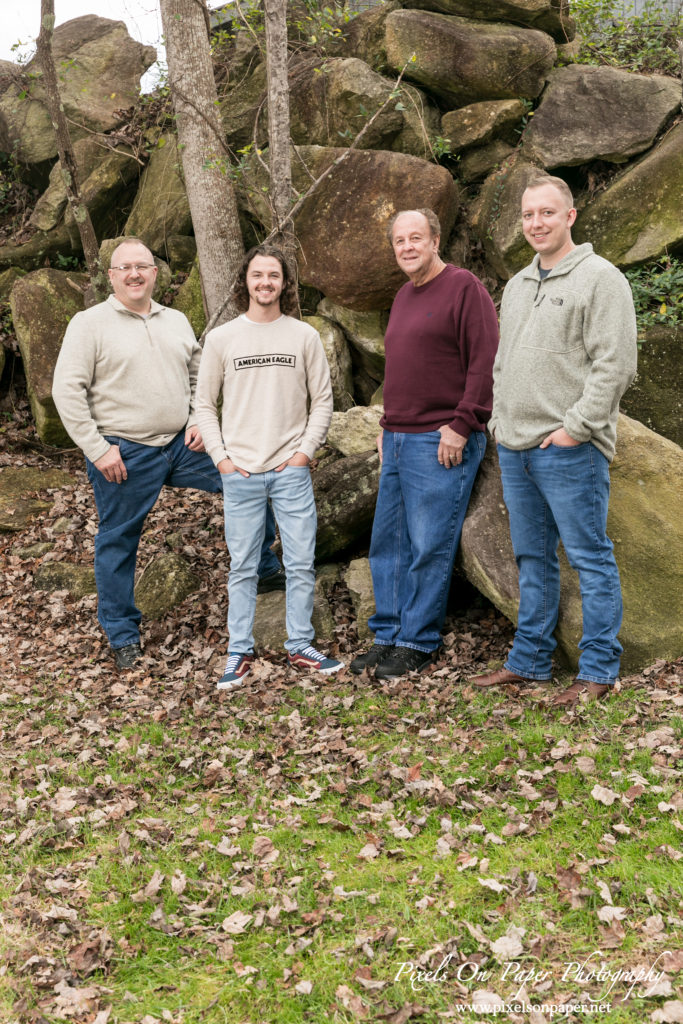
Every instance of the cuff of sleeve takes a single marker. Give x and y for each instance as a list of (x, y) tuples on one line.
[(460, 427), (217, 455), (575, 427), (93, 454), (309, 448)]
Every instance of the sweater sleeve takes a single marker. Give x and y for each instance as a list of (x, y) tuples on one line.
[(209, 387), (479, 340), (320, 397), (73, 376), (610, 340)]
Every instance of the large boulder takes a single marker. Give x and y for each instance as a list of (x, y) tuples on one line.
[(496, 216), (647, 478), (79, 580), (164, 584), (341, 229), (479, 123), (161, 208), (338, 358), (356, 430), (240, 106), (189, 300), (104, 174), (40, 249), (341, 101), (42, 304), (480, 161), (358, 579), (365, 332), (638, 217), (463, 61), (598, 113), (656, 395), (345, 497), (270, 628), (99, 66), (551, 16), (18, 504), (364, 36)]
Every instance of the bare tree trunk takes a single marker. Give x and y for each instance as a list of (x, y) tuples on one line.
[(278, 115), (204, 156), (98, 279)]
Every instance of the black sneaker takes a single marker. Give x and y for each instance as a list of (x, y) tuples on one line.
[(128, 656), (403, 660), (276, 581), (377, 654)]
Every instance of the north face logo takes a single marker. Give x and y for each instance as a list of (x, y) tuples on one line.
[(557, 302)]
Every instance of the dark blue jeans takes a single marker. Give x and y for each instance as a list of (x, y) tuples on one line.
[(421, 507), (122, 510), (555, 494)]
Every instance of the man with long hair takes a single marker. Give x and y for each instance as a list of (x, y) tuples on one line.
[(277, 406)]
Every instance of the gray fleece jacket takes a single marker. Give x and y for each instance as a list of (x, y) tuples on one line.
[(567, 353)]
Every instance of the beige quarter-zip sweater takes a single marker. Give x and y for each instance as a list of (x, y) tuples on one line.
[(122, 374), (277, 395)]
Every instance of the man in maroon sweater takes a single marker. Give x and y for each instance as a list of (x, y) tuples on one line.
[(440, 344)]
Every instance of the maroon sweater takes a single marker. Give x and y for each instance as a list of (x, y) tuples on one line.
[(440, 344)]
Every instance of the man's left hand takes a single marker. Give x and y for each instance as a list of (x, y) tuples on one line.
[(451, 447), (193, 439), (297, 459), (561, 438)]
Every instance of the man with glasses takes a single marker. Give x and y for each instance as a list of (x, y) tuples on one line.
[(124, 387)]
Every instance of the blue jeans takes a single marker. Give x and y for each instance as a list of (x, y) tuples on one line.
[(122, 510), (551, 494), (246, 505), (421, 507)]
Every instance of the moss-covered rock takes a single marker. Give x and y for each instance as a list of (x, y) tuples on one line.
[(478, 162), (550, 16), (240, 105), (338, 358), (464, 61), (161, 207), (496, 216), (638, 217), (18, 504), (365, 332), (480, 123), (270, 628), (41, 248), (7, 279), (189, 301), (345, 497), (79, 580), (656, 395), (164, 584), (644, 513), (356, 430), (358, 579), (99, 67), (42, 304), (598, 113)]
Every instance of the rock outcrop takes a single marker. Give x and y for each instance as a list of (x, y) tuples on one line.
[(100, 70)]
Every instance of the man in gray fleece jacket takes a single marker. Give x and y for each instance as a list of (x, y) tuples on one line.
[(567, 354)]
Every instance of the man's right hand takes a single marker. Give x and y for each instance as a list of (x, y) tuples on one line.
[(112, 466), (227, 466)]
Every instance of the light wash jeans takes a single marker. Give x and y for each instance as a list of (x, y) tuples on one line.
[(421, 507), (551, 494), (122, 510), (246, 504)]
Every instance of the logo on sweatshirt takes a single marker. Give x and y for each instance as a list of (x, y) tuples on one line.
[(273, 359), (557, 302)]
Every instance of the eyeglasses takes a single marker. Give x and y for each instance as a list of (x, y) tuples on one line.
[(125, 267)]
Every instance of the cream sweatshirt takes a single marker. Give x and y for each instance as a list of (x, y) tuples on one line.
[(125, 375), (277, 395)]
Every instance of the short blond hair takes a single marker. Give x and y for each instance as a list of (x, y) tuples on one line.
[(550, 179)]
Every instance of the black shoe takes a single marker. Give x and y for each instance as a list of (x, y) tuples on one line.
[(403, 660), (377, 654), (128, 656), (276, 581)]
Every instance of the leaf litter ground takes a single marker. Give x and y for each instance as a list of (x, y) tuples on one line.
[(317, 849)]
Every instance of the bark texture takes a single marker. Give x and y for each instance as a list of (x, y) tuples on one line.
[(204, 154)]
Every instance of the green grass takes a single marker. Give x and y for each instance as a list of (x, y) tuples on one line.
[(450, 787)]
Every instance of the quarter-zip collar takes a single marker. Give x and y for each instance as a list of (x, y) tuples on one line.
[(566, 264), (155, 307)]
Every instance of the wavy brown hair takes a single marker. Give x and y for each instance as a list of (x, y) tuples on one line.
[(288, 300)]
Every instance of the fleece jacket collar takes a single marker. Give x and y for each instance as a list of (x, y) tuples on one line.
[(566, 264)]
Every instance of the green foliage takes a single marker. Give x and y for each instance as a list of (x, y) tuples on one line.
[(62, 262), (640, 42), (658, 293), (321, 25)]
